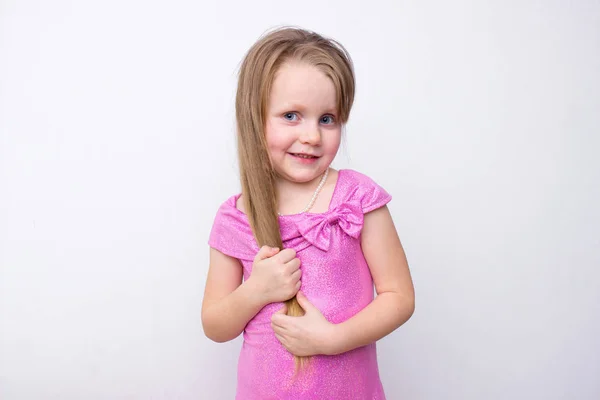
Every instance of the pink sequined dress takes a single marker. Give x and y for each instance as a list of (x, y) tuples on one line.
[(335, 278)]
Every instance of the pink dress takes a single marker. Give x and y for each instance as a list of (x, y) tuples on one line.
[(335, 278)]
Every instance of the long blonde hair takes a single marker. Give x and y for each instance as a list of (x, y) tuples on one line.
[(256, 76)]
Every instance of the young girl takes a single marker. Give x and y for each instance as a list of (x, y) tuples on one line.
[(308, 241)]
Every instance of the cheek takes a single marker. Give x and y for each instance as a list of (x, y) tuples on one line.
[(271, 137), (277, 138), (332, 144)]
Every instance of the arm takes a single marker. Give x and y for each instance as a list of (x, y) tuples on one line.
[(395, 301), (228, 303)]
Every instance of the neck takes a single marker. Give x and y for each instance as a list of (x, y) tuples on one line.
[(295, 194)]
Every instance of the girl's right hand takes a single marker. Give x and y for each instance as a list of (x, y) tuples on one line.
[(276, 274)]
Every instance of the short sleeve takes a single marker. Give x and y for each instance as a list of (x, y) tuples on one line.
[(219, 236), (371, 195), (231, 234)]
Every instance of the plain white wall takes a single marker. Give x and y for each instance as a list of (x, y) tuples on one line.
[(117, 147)]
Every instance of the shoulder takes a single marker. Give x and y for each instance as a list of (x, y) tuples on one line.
[(362, 188), (356, 177), (227, 207), (231, 233), (224, 215)]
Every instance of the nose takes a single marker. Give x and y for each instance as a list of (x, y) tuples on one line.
[(311, 135)]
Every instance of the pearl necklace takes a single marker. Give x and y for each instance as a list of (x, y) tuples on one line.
[(315, 194)]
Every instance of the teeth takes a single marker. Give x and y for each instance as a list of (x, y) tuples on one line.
[(303, 156)]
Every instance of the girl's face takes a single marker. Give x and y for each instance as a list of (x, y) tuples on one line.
[(302, 129)]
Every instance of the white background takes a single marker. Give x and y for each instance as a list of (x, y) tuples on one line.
[(117, 147)]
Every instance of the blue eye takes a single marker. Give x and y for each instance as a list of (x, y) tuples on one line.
[(291, 116), (327, 119)]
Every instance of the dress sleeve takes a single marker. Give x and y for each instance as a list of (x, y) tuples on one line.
[(231, 235), (371, 195)]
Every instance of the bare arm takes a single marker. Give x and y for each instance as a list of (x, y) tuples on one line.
[(228, 303), (395, 301)]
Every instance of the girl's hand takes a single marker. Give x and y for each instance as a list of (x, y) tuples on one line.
[(276, 274), (308, 335)]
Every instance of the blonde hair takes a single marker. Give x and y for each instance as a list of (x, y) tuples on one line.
[(256, 76)]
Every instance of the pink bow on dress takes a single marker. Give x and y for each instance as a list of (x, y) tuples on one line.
[(316, 228)]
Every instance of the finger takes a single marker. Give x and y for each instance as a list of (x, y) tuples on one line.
[(296, 275), (262, 253), (266, 252), (279, 330), (282, 310), (276, 329), (279, 320), (304, 303), (285, 342), (282, 340), (286, 255), (280, 337), (293, 265)]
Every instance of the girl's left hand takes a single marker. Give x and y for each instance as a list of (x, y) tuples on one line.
[(308, 335)]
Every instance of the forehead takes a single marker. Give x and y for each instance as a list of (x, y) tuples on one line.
[(303, 85)]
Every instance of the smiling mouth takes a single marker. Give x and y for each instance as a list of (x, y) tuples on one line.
[(307, 156)]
